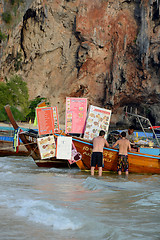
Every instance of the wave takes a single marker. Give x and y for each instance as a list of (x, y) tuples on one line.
[(43, 212), (149, 199), (93, 183)]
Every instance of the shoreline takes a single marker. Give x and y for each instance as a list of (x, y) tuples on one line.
[(20, 124), (25, 125)]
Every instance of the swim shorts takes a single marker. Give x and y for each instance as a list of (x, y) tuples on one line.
[(122, 162), (96, 159)]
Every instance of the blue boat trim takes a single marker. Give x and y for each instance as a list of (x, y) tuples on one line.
[(151, 156), (114, 150)]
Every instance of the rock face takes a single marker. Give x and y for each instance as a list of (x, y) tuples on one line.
[(104, 50)]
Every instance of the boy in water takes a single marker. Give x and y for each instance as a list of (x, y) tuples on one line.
[(97, 153), (124, 147)]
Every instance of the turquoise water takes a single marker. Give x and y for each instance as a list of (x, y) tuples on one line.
[(10, 128), (38, 203)]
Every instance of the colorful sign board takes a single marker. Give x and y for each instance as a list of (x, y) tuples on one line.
[(48, 121), (46, 147), (56, 120), (97, 119), (64, 148), (76, 112)]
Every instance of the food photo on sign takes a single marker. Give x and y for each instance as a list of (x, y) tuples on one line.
[(47, 147), (97, 119)]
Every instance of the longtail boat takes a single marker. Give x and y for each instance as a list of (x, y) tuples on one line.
[(139, 162), (6, 144), (29, 140), (145, 160)]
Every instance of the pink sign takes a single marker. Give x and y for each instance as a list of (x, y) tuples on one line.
[(47, 118), (76, 111)]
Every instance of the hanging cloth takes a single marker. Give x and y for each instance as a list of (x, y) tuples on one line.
[(75, 155), (16, 141)]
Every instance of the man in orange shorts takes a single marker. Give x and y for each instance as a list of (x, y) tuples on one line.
[(124, 146)]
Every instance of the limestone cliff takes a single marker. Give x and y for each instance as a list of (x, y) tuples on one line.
[(104, 50)]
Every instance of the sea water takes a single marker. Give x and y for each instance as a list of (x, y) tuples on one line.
[(43, 204)]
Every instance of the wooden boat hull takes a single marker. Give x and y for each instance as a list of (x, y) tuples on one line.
[(49, 162), (138, 162), (30, 143), (54, 163), (6, 149)]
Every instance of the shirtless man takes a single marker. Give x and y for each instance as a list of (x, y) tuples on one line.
[(97, 153), (124, 146)]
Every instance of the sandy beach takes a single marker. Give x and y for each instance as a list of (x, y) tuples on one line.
[(20, 124), (26, 125)]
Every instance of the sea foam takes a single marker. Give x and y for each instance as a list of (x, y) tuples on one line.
[(43, 212)]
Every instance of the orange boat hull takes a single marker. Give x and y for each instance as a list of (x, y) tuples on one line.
[(138, 162)]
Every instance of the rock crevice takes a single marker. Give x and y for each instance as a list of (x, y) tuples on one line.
[(106, 51)]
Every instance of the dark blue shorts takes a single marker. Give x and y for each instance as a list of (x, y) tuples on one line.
[(96, 159)]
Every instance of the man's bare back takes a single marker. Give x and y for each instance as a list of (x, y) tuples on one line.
[(97, 153), (124, 146), (99, 143)]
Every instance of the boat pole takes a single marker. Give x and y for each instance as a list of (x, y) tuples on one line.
[(142, 127), (139, 116)]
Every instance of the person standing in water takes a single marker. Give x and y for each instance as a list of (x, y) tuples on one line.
[(124, 147), (97, 153)]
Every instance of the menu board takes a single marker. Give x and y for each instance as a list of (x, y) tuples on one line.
[(97, 119), (56, 120), (64, 147), (46, 147), (48, 121), (76, 112)]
